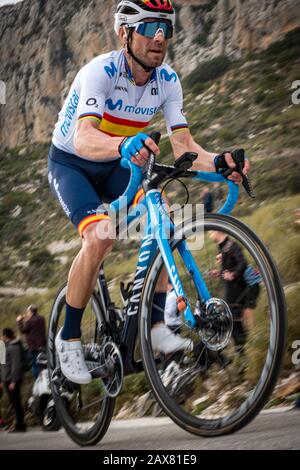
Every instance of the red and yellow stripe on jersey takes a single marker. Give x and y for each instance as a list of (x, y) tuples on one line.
[(91, 219), (119, 127)]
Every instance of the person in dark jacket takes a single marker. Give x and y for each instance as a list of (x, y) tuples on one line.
[(241, 294), (207, 200), (12, 375), (32, 325), (218, 195)]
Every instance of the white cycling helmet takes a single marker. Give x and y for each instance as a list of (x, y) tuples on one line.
[(133, 11)]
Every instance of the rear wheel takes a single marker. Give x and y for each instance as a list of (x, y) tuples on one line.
[(85, 411), (226, 380)]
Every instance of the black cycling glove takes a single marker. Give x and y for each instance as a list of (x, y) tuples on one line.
[(222, 166), (239, 158)]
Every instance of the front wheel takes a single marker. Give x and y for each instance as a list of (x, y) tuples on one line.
[(226, 380)]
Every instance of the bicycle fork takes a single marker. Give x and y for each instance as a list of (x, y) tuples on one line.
[(162, 227)]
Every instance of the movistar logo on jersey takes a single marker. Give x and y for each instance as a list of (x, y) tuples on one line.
[(112, 106), (69, 113), (141, 110), (111, 70), (164, 75), (144, 111)]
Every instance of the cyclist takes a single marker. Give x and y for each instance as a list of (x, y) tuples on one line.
[(111, 102)]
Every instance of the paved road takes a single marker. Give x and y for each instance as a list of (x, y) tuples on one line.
[(270, 430)]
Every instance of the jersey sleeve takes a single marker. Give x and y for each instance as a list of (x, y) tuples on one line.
[(173, 107), (95, 88)]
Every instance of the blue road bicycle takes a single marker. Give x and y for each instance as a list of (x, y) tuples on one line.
[(221, 383)]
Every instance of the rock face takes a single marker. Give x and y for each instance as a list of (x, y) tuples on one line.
[(45, 42)]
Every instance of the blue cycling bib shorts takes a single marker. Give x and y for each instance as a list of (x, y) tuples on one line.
[(82, 186)]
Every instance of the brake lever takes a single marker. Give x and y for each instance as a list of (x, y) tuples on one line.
[(239, 159)]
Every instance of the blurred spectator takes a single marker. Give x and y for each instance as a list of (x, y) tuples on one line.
[(297, 217), (2, 352), (171, 313), (2, 363), (218, 195), (33, 326), (207, 200), (12, 375), (241, 284)]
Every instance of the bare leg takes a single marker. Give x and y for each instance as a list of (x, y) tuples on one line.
[(81, 282), (162, 282), (85, 268)]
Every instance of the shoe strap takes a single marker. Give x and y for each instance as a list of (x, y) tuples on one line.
[(72, 345)]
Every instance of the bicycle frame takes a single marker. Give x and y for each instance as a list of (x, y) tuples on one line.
[(157, 229)]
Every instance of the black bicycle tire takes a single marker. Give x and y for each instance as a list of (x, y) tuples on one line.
[(55, 424), (97, 432), (149, 365)]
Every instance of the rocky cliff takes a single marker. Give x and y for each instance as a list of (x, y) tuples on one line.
[(44, 43)]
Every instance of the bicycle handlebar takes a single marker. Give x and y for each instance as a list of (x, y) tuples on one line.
[(137, 177)]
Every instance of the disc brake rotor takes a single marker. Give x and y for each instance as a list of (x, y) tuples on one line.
[(217, 325)]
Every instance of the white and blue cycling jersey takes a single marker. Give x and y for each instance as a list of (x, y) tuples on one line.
[(104, 90)]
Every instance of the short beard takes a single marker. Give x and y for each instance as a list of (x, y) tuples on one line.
[(156, 62)]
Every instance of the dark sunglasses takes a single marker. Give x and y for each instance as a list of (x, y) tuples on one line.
[(150, 29)]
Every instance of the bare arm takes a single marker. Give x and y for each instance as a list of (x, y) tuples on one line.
[(94, 144), (183, 142), (91, 143)]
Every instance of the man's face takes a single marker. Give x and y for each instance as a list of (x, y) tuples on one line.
[(151, 51)]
